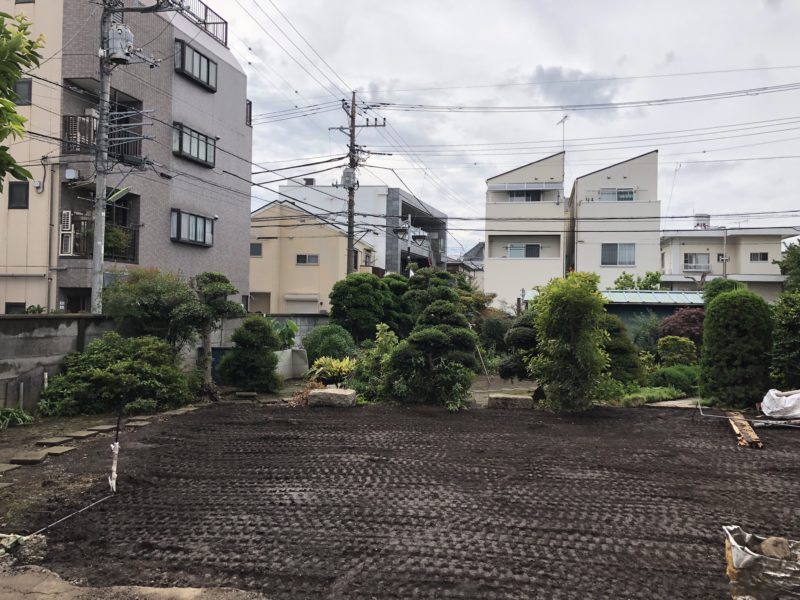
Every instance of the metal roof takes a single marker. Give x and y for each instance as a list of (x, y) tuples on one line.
[(664, 297), (653, 297)]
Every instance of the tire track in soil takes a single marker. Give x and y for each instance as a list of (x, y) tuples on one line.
[(406, 502)]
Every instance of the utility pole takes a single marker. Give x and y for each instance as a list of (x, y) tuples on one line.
[(349, 181), (116, 48)]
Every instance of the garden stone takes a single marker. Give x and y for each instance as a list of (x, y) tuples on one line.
[(59, 450), (53, 441), (6, 468), (5, 485), (510, 401), (103, 428), (29, 458), (335, 397), (80, 435)]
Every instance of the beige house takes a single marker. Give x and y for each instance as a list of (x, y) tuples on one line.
[(526, 228), (180, 142), (295, 258), (690, 257), (616, 220)]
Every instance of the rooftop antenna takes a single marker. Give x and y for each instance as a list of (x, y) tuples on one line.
[(563, 123)]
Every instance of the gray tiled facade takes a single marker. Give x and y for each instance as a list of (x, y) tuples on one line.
[(171, 182)]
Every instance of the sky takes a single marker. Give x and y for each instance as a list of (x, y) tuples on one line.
[(724, 156)]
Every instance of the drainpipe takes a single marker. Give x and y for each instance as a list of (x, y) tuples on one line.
[(725, 253), (49, 275)]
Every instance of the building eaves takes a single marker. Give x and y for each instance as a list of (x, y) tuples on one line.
[(526, 165), (616, 165)]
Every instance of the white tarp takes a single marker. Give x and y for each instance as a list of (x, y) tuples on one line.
[(782, 404)]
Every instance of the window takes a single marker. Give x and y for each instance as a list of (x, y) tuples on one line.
[(367, 258), (15, 308), (255, 249), (196, 66), (248, 113), (720, 257), (759, 257), (22, 92), (193, 145), (618, 255), (23, 1), (188, 228), (18, 194), (696, 261), (525, 196), (308, 259), (616, 195), (523, 250)]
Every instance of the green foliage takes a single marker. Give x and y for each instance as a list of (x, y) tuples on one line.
[(715, 287), (35, 309), (371, 363), (785, 366), (736, 349), (681, 377), (18, 53), (521, 341), (650, 281), (570, 355), (675, 350), (250, 365), (492, 333), (396, 313), (116, 240), (112, 373), (452, 380), (285, 332), (332, 371), (647, 395), (13, 417), (645, 331), (328, 340), (149, 302), (790, 266), (140, 407), (624, 364), (358, 303), (648, 362), (607, 389), (685, 322)]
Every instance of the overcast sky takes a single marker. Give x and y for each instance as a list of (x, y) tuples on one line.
[(526, 53)]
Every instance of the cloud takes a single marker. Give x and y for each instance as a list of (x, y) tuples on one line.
[(577, 87)]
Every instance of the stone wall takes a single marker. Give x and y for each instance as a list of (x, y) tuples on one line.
[(32, 345)]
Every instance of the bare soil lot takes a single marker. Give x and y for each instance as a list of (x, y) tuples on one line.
[(403, 502)]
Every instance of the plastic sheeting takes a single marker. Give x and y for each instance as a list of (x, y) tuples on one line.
[(782, 404), (754, 576)]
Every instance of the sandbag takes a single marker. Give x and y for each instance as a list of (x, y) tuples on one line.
[(785, 405)]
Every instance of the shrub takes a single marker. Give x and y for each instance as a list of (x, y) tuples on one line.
[(521, 341), (371, 363), (645, 331), (331, 371), (358, 303), (685, 322), (675, 350), (250, 365), (737, 344), (624, 364), (112, 373), (715, 287), (608, 389), (140, 407), (492, 333), (571, 357), (786, 344), (13, 417), (328, 340), (790, 266), (285, 332), (646, 395), (681, 377)]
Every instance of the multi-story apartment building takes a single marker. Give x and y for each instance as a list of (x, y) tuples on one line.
[(295, 258), (382, 217), (616, 220), (181, 143), (690, 257), (526, 228)]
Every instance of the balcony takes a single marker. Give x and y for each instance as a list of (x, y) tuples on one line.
[(207, 20), (120, 242), (697, 267), (79, 136)]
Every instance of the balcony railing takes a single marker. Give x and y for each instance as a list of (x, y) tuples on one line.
[(79, 136), (120, 243), (697, 267), (205, 18)]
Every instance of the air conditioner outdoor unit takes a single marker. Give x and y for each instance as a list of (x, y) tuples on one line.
[(67, 241), (92, 112), (66, 220)]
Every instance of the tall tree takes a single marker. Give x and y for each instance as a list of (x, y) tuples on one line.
[(17, 52), (790, 266)]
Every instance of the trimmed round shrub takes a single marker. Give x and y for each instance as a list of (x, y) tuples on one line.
[(715, 287), (358, 303), (492, 333), (681, 377), (250, 365), (330, 340), (686, 322), (624, 365), (676, 350), (786, 344), (736, 349)]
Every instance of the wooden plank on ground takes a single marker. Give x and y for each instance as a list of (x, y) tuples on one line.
[(744, 432)]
